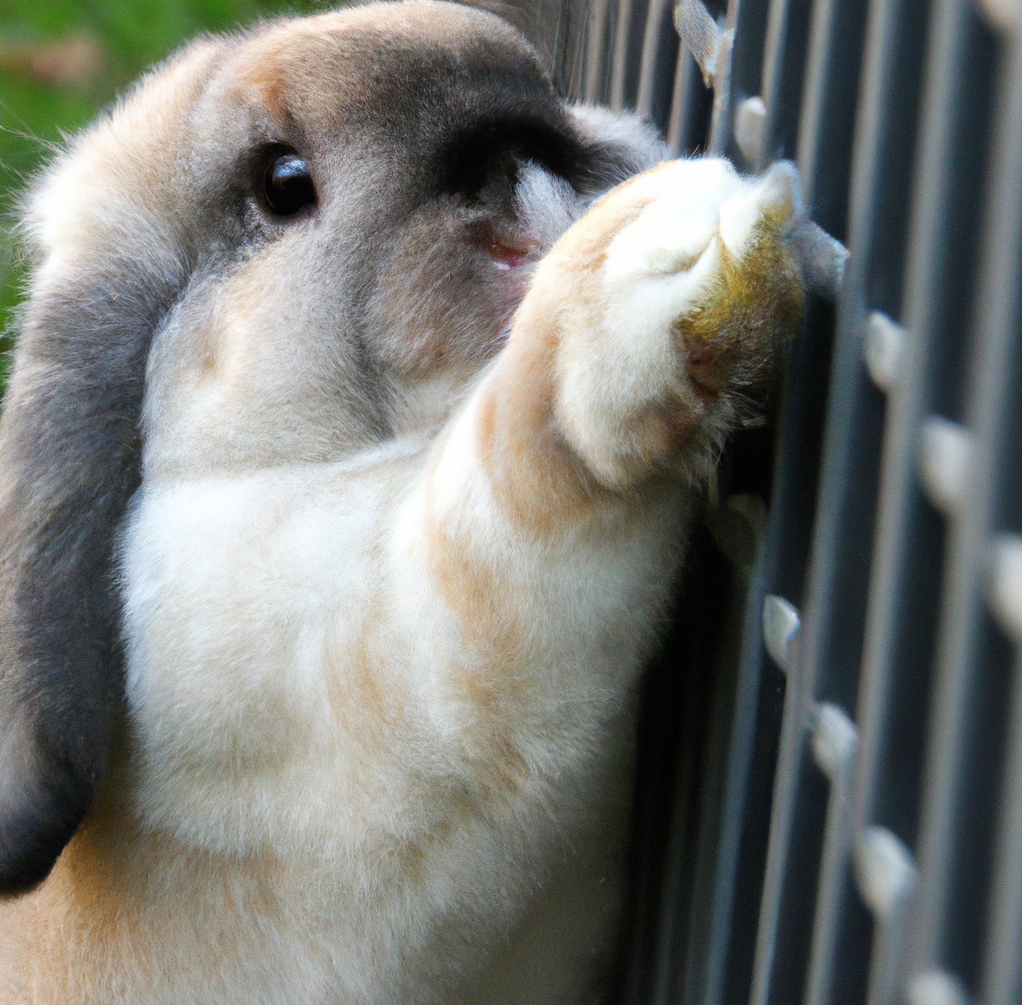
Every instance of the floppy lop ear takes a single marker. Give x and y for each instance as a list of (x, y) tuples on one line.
[(107, 225)]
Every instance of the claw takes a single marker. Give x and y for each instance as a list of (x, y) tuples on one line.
[(819, 258)]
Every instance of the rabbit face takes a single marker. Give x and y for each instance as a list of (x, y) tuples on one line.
[(440, 166)]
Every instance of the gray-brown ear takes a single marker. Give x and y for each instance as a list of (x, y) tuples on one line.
[(108, 267), (69, 461)]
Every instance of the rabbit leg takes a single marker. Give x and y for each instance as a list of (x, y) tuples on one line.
[(554, 510), (641, 337)]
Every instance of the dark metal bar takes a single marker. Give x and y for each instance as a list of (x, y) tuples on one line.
[(596, 50), (720, 121), (657, 25), (706, 980), (826, 120), (619, 55), (900, 500), (773, 66), (783, 934), (849, 395), (784, 914), (797, 708), (821, 43), (680, 979), (1001, 981), (779, 71), (783, 64), (842, 550), (886, 875), (834, 742), (955, 816), (993, 394), (747, 53), (690, 107)]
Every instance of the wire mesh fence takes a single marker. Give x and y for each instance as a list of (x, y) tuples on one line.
[(829, 807)]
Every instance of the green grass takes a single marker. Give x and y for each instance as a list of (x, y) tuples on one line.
[(37, 111)]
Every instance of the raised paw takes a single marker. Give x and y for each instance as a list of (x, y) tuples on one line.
[(671, 299)]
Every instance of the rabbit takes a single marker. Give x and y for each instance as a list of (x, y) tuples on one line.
[(362, 400)]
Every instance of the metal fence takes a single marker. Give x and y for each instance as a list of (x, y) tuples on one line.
[(830, 788)]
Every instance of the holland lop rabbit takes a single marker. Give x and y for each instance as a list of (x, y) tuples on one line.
[(355, 422)]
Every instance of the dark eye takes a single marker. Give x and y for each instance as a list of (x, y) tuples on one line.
[(287, 185)]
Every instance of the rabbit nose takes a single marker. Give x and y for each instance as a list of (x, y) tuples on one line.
[(510, 255), (509, 248)]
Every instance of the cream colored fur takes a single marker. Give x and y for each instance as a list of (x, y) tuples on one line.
[(380, 697)]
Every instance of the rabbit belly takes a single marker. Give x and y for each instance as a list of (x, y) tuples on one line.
[(300, 685)]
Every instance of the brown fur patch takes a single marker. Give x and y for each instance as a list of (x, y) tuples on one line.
[(538, 481), (753, 306)]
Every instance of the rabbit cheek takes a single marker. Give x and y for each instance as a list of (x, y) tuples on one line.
[(439, 304), (241, 377)]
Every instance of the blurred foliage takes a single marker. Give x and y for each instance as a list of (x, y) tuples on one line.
[(61, 61)]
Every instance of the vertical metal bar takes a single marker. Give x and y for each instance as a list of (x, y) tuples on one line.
[(595, 50), (826, 120), (957, 665), (834, 742), (798, 697), (747, 52), (720, 121), (655, 26), (684, 104), (782, 51), (792, 505), (619, 57), (898, 490), (773, 66), (840, 557), (673, 902), (787, 28), (1001, 979), (814, 92), (569, 49), (904, 518), (886, 876), (740, 749), (990, 399), (797, 707)]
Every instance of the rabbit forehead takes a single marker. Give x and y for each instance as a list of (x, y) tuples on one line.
[(376, 28), (397, 71)]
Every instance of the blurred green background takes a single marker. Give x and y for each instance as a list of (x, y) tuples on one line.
[(61, 61)]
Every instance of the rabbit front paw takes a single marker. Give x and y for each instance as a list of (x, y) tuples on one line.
[(672, 297)]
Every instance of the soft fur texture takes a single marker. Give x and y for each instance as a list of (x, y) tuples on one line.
[(332, 544)]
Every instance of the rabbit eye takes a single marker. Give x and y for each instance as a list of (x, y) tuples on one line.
[(287, 185)]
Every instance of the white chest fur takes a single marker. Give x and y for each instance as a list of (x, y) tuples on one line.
[(298, 685)]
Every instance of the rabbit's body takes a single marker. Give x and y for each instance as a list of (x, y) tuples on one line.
[(387, 582)]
